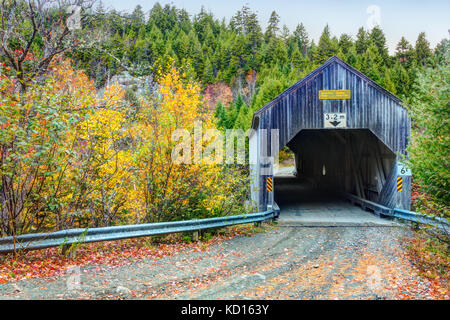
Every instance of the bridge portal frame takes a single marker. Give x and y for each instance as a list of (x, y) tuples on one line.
[(369, 106)]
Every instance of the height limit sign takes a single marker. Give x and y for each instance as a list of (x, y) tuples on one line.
[(335, 120)]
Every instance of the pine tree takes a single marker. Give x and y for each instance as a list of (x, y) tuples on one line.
[(272, 28), (345, 43), (244, 119), (276, 52), (156, 43), (362, 41), (441, 50), (137, 18), (297, 59), (221, 116), (423, 51), (378, 38), (372, 65), (301, 36), (401, 79), (388, 84), (208, 72), (353, 58), (404, 52), (326, 48), (285, 34)]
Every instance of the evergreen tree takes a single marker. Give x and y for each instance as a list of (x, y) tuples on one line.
[(137, 18), (301, 36), (221, 116), (378, 38), (441, 50), (372, 65), (401, 79), (276, 52), (423, 51), (326, 48), (362, 41), (430, 112), (285, 34), (388, 84), (345, 43), (272, 28), (297, 59), (353, 58), (404, 52)]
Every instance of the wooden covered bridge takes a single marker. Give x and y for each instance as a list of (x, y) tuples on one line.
[(347, 132)]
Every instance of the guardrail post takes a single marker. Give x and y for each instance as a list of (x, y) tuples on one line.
[(270, 207), (195, 236), (69, 251)]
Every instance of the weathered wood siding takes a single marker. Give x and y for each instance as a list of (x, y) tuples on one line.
[(370, 107)]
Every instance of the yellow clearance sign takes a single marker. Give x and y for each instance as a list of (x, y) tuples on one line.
[(334, 94)]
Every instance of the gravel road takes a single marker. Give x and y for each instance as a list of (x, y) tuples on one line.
[(282, 263)]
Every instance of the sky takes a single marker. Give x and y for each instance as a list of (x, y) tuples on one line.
[(397, 18)]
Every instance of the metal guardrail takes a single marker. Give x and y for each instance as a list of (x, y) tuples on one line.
[(68, 237), (366, 204), (412, 216), (437, 222)]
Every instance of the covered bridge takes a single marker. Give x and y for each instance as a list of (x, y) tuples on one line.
[(347, 133)]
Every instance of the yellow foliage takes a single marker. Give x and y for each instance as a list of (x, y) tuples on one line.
[(87, 162)]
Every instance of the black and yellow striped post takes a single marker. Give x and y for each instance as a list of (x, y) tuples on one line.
[(399, 184), (269, 184)]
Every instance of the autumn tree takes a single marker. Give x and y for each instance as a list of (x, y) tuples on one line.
[(33, 33)]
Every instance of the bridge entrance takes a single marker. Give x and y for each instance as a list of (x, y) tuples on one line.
[(327, 164), (348, 135), (303, 204), (353, 161)]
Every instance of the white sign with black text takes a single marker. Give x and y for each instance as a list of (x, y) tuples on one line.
[(403, 170), (335, 120)]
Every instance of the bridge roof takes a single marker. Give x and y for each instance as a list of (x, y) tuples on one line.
[(319, 70)]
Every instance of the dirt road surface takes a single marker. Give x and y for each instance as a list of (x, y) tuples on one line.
[(283, 263)]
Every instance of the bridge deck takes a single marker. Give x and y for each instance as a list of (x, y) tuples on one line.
[(303, 205)]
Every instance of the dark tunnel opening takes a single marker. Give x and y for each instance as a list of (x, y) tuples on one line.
[(329, 162)]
